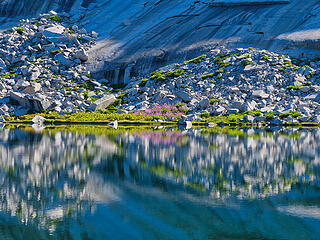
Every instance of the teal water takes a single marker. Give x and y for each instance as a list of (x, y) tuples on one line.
[(101, 183)]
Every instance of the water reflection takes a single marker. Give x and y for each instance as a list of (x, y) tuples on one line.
[(87, 183)]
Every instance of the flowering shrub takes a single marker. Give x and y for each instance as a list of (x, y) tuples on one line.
[(165, 110)]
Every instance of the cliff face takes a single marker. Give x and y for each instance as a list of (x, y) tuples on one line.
[(137, 36), (15, 8)]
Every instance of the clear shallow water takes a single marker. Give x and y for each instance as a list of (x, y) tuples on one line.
[(100, 183)]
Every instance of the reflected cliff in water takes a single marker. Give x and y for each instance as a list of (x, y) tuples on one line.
[(89, 182)]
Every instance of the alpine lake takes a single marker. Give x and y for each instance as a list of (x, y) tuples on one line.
[(96, 182)]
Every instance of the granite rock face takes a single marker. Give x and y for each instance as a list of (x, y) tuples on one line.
[(173, 30)]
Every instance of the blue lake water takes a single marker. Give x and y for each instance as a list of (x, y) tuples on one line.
[(101, 183)]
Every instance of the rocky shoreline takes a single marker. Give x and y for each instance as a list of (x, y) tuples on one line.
[(43, 70)]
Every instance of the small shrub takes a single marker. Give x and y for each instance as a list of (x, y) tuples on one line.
[(20, 30), (56, 19), (221, 70), (184, 86), (55, 52), (143, 82), (214, 100), (205, 115), (294, 114), (269, 115), (197, 59), (246, 63), (209, 75), (253, 113), (181, 104), (88, 85), (176, 73), (159, 76), (212, 81), (227, 64)]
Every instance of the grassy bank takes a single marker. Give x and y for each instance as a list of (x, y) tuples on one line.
[(105, 117)]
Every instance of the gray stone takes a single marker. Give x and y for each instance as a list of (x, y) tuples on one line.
[(259, 94), (204, 103), (55, 34), (275, 121), (304, 119), (103, 103), (260, 119), (247, 119), (63, 60), (232, 110), (82, 55), (218, 111), (38, 119), (33, 103), (186, 97)]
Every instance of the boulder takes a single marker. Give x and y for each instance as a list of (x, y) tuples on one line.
[(103, 103), (260, 119), (186, 97), (247, 119), (55, 34), (38, 120), (30, 102), (218, 111), (204, 103), (275, 121), (63, 60), (2, 64), (82, 55), (259, 94)]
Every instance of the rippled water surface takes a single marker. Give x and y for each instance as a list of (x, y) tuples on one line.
[(133, 183)]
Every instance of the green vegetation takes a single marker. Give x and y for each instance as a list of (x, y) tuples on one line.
[(209, 75), (246, 63), (55, 52), (205, 115), (88, 85), (181, 104), (86, 117), (291, 87), (294, 114), (214, 100), (143, 82), (163, 75), (253, 113), (310, 75), (269, 115), (266, 58), (56, 19), (197, 59), (159, 76), (176, 73), (20, 30)]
